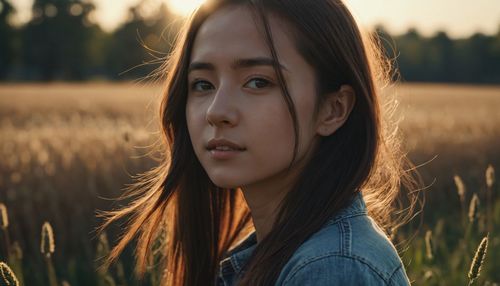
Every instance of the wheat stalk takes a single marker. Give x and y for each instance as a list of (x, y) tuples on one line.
[(478, 260), (490, 176), (428, 275), (490, 180), (47, 245), (473, 208), (429, 245), (460, 187), (4, 224), (7, 277), (4, 218), (461, 194)]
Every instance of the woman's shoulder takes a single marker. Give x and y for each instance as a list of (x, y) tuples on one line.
[(349, 250)]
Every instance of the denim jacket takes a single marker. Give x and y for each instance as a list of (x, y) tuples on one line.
[(350, 249)]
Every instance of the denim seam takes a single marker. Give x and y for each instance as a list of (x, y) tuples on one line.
[(235, 264), (341, 234), (393, 273), (226, 268), (336, 254), (345, 237), (337, 219)]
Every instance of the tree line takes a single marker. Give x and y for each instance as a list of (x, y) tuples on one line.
[(62, 42)]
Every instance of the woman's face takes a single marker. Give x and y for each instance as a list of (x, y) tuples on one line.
[(234, 95)]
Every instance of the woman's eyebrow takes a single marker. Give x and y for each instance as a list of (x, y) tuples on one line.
[(237, 64)]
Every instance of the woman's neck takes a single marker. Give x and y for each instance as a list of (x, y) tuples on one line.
[(264, 206), (264, 197)]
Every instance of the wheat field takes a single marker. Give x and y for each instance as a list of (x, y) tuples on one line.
[(67, 149)]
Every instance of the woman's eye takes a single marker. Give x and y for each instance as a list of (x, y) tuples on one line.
[(259, 83), (200, 85)]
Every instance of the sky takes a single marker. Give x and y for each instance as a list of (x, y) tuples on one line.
[(459, 18)]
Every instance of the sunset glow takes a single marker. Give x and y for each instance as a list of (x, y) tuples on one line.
[(184, 7), (428, 16)]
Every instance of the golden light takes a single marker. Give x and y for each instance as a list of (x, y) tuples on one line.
[(184, 7)]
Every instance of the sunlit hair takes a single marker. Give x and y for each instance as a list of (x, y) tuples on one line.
[(202, 221)]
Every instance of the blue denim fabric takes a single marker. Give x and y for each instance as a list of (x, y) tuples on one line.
[(350, 249)]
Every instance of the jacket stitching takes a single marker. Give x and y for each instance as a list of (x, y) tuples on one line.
[(393, 273), (336, 254), (345, 229), (341, 234), (339, 218), (235, 264)]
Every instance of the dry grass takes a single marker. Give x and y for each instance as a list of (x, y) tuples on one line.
[(436, 115)]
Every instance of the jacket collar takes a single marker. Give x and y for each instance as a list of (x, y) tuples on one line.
[(357, 206), (238, 256)]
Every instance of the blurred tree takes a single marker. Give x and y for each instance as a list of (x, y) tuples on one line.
[(494, 51), (472, 59), (6, 34), (63, 42), (440, 58), (140, 45), (412, 59), (56, 38)]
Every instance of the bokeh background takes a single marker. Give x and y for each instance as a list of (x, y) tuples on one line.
[(78, 109)]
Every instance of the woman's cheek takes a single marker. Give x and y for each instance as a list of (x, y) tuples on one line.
[(274, 140)]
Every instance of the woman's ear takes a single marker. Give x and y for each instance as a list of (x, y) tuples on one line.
[(335, 110)]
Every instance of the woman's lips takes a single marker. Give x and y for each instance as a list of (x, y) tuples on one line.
[(224, 154), (223, 143)]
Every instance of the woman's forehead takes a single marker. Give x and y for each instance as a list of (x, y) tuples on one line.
[(234, 32)]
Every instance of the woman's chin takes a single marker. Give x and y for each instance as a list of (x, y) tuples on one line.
[(225, 183)]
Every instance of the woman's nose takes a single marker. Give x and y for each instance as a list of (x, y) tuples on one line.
[(222, 110)]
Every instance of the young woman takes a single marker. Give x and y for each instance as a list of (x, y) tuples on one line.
[(281, 166)]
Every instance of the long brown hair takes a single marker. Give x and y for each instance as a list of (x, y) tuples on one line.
[(202, 221)]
